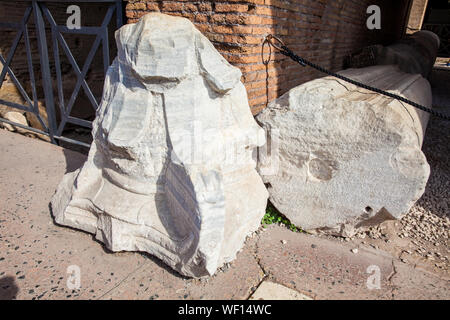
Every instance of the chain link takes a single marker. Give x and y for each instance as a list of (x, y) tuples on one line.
[(287, 52)]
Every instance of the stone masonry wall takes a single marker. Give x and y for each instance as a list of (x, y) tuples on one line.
[(323, 31)]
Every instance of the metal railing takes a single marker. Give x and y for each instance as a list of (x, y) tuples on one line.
[(41, 16)]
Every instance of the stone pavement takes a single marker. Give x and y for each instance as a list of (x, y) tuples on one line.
[(36, 254)]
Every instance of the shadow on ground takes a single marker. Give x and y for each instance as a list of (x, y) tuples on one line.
[(8, 288)]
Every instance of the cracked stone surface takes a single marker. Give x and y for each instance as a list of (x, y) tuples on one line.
[(35, 253), (274, 291), (170, 171), (343, 158)]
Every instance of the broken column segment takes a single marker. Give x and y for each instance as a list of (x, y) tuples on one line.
[(415, 53), (170, 171), (339, 156)]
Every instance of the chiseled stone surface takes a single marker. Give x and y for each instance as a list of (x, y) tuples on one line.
[(170, 171), (416, 53), (16, 117), (343, 157)]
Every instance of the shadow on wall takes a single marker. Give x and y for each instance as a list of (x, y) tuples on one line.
[(8, 288)]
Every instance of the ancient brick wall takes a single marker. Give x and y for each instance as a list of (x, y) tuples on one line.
[(323, 31)]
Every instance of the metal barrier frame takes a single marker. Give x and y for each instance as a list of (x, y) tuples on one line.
[(40, 10)]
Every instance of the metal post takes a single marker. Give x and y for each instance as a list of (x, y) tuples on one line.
[(45, 70)]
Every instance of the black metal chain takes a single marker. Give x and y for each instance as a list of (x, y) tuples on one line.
[(287, 52)]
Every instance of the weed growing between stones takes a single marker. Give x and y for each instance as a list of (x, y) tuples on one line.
[(273, 216)]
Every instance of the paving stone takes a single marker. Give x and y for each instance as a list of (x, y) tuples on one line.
[(35, 253)]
